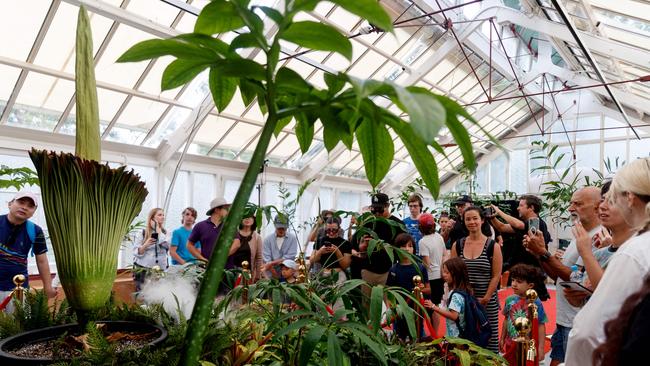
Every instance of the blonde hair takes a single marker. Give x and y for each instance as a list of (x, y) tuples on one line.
[(634, 178), (148, 228)]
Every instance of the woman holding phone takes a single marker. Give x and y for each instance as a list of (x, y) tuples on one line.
[(150, 247)]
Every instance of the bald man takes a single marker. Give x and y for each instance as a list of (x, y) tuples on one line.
[(583, 207)]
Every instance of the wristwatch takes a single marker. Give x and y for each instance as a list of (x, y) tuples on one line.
[(545, 257)]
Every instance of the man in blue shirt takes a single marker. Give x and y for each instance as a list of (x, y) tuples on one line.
[(17, 238), (411, 223), (178, 249)]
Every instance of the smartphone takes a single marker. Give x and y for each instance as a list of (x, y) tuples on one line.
[(327, 244), (489, 211), (154, 236), (533, 225), (572, 285)]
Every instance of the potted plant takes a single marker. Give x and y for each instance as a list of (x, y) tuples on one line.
[(88, 208), (346, 108)]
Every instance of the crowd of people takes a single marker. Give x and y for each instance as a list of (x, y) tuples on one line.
[(601, 279)]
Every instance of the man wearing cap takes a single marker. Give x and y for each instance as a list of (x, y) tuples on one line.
[(278, 247), (207, 231), (19, 236), (375, 266), (459, 230)]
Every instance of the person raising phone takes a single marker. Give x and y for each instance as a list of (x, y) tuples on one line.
[(150, 248), (528, 210)]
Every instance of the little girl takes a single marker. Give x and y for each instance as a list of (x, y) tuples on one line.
[(524, 277), (454, 273)]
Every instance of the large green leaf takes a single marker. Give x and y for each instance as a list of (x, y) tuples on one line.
[(201, 40), (370, 10), (377, 149), (304, 132), (252, 21), (426, 113), (241, 68), (376, 301), (180, 72), (244, 40), (334, 352), (275, 15), (309, 343), (335, 82), (222, 89), (219, 16), (368, 87), (334, 130), (281, 125), (154, 48), (368, 342), (290, 80), (420, 154), (318, 36), (458, 131)]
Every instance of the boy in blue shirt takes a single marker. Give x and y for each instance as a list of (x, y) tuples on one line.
[(178, 250)]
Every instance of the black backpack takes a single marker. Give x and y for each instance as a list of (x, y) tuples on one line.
[(477, 326)]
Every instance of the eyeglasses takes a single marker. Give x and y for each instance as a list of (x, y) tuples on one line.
[(331, 230)]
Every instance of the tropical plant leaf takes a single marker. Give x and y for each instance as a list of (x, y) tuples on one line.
[(244, 40), (154, 48), (318, 36), (335, 82), (458, 131), (304, 132), (219, 16), (241, 68), (287, 79), (310, 341), (181, 71), (426, 113), (420, 154), (222, 89), (376, 301), (334, 352), (275, 15), (370, 10), (377, 149)]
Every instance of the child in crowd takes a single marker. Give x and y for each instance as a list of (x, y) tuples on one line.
[(524, 277), (288, 270), (454, 273), (401, 275)]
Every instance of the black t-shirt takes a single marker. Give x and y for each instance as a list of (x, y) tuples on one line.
[(519, 254), (330, 260), (401, 275), (379, 261), (244, 252)]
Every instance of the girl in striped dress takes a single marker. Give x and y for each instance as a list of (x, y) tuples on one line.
[(483, 259)]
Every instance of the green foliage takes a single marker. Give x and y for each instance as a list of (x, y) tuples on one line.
[(34, 314), (17, 177), (346, 108)]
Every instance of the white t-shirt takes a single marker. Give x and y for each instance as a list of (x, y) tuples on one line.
[(624, 276), (566, 312), (433, 246), (279, 241)]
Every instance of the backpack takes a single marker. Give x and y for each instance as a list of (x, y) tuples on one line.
[(477, 326), (490, 248)]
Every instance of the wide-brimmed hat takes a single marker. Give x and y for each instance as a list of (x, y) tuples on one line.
[(26, 194), (215, 203)]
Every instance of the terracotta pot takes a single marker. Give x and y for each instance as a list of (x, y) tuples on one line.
[(39, 335)]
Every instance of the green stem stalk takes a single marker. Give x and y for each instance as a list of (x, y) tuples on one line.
[(201, 313)]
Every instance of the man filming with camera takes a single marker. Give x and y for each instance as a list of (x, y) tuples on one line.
[(528, 210)]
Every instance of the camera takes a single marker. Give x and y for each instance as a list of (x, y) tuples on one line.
[(327, 244), (154, 236), (489, 212)]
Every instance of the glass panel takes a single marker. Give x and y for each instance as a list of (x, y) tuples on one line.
[(151, 83), (498, 168), (149, 177), (614, 155), (368, 64), (172, 121), (153, 10), (588, 157), (141, 113), (518, 174), (204, 190), (617, 128), (588, 122), (241, 134), (558, 135), (57, 50), (212, 129), (179, 200), (639, 148), (122, 74), (8, 75), (46, 93), (20, 22), (481, 181)]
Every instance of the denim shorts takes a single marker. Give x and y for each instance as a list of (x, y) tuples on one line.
[(559, 341)]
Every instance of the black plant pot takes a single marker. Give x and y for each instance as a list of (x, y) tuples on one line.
[(45, 334)]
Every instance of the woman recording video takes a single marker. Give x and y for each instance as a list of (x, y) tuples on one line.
[(150, 247)]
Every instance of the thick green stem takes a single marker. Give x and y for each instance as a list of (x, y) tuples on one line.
[(201, 313)]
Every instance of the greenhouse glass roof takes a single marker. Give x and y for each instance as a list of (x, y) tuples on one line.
[(473, 51)]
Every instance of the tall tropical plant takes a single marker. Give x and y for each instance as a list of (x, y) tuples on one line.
[(88, 206), (346, 108)]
